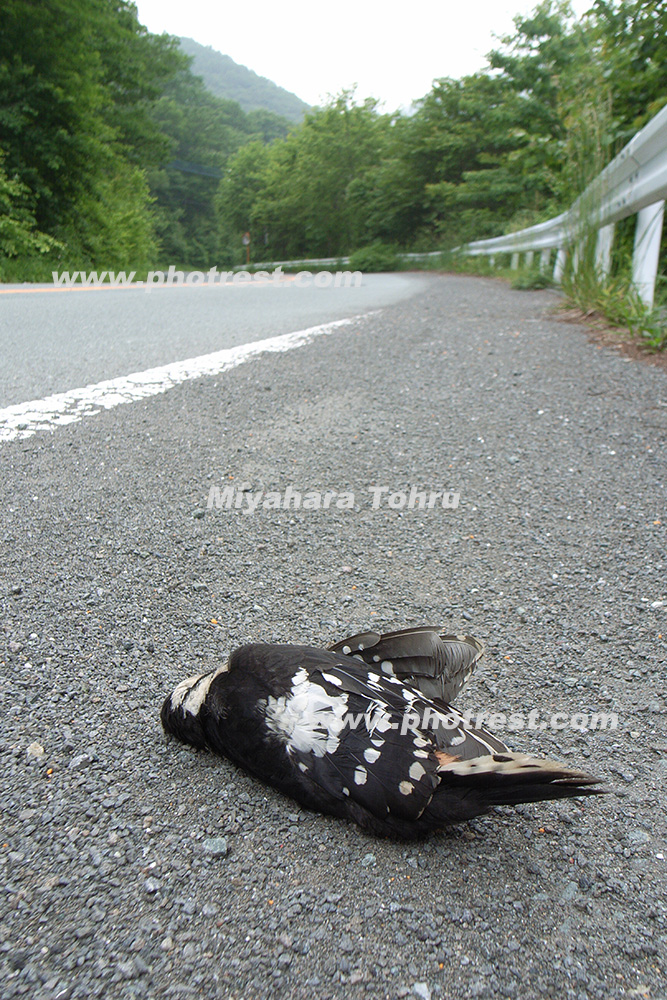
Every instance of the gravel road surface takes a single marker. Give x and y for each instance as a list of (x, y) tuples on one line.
[(133, 867)]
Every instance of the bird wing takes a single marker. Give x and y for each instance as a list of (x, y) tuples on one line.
[(450, 729), (436, 662), (375, 763), (384, 757)]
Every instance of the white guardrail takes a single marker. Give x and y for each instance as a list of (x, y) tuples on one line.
[(333, 261), (634, 183)]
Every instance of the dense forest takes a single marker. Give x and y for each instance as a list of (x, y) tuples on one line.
[(114, 155)]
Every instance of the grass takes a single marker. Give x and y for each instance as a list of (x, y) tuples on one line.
[(529, 278), (616, 299), (621, 306)]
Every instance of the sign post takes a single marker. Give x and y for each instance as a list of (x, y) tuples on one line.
[(246, 244)]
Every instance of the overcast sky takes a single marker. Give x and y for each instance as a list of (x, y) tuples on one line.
[(315, 50)]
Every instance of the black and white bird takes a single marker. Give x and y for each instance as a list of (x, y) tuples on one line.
[(364, 730)]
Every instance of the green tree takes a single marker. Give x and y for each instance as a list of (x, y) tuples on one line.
[(493, 147), (537, 65), (387, 199), (631, 37), (305, 204), (77, 81), (52, 103), (463, 137), (243, 181), (267, 125), (19, 236)]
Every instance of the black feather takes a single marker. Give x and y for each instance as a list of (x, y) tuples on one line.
[(436, 662)]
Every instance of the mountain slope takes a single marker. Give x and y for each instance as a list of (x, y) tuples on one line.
[(225, 78)]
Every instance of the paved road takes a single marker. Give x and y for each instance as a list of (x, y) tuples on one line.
[(52, 340), (136, 868)]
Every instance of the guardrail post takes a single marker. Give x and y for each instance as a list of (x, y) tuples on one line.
[(647, 250), (530, 256), (559, 266), (515, 261), (603, 246), (545, 259)]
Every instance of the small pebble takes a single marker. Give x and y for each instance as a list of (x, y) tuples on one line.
[(217, 847), (422, 991)]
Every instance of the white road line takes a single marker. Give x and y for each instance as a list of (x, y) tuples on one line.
[(25, 419)]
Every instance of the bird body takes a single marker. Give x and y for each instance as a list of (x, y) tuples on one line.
[(362, 731)]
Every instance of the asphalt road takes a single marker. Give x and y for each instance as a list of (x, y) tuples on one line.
[(52, 340), (133, 867)]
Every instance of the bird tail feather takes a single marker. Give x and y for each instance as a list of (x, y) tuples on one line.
[(511, 778)]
